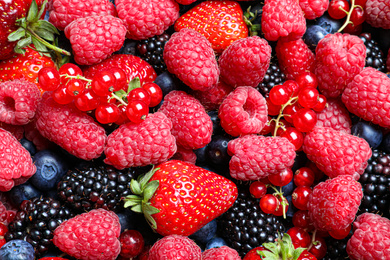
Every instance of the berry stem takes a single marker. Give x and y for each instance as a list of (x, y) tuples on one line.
[(113, 95), (277, 125), (48, 45), (313, 239), (348, 20)]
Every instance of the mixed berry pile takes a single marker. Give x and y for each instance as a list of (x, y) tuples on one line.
[(194, 129)]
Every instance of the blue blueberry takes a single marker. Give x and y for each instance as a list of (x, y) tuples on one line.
[(385, 145), (217, 150), (28, 145), (291, 209), (327, 22), (126, 219), (288, 189), (167, 82), (23, 192), (368, 131), (50, 169), (206, 233), (215, 242), (217, 128), (128, 47), (314, 33), (201, 155), (17, 250)]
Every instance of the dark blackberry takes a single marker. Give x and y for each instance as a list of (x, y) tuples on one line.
[(95, 187), (151, 50), (336, 248), (376, 182), (272, 78), (374, 55), (36, 221), (244, 226)]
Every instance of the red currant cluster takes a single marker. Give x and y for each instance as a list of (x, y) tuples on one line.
[(354, 14), (114, 99), (3, 231), (292, 108)]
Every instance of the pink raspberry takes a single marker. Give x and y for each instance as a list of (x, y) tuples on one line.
[(63, 12), (255, 156), (91, 235), (145, 19), (186, 155), (149, 142), (95, 38), (243, 111), (336, 152), (192, 127), (245, 62), (370, 239), (313, 8), (18, 101), (175, 247), (7, 210), (335, 115), (16, 165), (282, 18), (189, 55), (333, 203), (378, 13), (32, 134), (294, 58), (213, 97), (339, 57), (71, 129), (15, 130), (219, 253), (367, 96)]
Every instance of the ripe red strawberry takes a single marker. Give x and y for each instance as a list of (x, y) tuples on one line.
[(335, 115), (175, 247), (147, 18), (333, 204), (180, 197), (91, 235), (221, 22), (133, 66), (95, 38), (377, 13)]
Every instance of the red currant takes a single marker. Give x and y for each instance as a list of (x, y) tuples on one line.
[(69, 69), (107, 113), (305, 119), (318, 248), (268, 127), (317, 172), (300, 197), (352, 29), (258, 189), (308, 97), (269, 203), (132, 243), (301, 219), (299, 237), (123, 119), (340, 233), (87, 100), (49, 78), (358, 16), (155, 93), (137, 111), (362, 3), (103, 83), (304, 176), (307, 80), (292, 86), (282, 207), (281, 178), (139, 94), (337, 9), (290, 110), (75, 87), (3, 231), (61, 95), (321, 104), (294, 136), (121, 78), (273, 110), (279, 95)]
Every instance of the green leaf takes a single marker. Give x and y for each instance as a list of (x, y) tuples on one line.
[(23, 43), (145, 178), (32, 15), (149, 209), (152, 223), (134, 83), (38, 45), (135, 187), (267, 255), (298, 252), (45, 34), (43, 6), (45, 25), (137, 208), (150, 189), (16, 35), (272, 247), (130, 203)]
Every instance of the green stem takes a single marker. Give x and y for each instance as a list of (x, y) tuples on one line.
[(48, 45), (119, 99), (348, 20), (290, 102)]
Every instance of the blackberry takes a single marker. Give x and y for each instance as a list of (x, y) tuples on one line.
[(272, 78), (244, 226), (376, 182), (36, 221), (151, 50), (336, 248), (93, 187), (374, 55)]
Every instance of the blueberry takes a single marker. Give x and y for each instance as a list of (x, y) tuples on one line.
[(217, 150), (385, 145), (313, 34), (215, 242), (217, 128), (126, 219), (206, 233), (17, 250), (291, 209), (167, 82), (28, 145), (327, 22), (368, 131), (288, 189), (23, 192), (201, 155), (128, 47), (50, 169)]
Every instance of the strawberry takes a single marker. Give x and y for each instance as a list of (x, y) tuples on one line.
[(221, 22), (179, 198)]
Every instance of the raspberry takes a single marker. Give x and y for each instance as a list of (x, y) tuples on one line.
[(15, 130), (339, 57), (63, 12), (175, 247), (192, 127), (147, 18), (186, 155), (367, 96), (335, 115), (18, 101), (15, 162), (370, 239), (32, 134), (255, 156), (282, 18), (213, 97), (378, 13), (95, 38), (7, 210), (92, 235), (294, 58), (223, 252), (313, 9), (149, 142), (188, 55), (333, 204), (336, 152), (243, 111), (71, 129), (245, 62)]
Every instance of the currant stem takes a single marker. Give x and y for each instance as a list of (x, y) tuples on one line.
[(119, 99), (348, 20), (313, 239), (290, 102)]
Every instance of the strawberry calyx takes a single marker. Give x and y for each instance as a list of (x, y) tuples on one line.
[(282, 249), (33, 30), (143, 190), (249, 18)]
